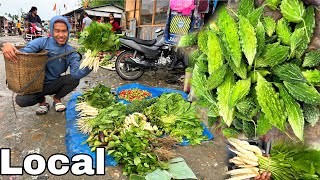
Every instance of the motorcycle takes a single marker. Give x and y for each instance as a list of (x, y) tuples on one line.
[(35, 31), (138, 56)]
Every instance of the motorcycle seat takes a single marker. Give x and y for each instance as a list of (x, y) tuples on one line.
[(143, 42)]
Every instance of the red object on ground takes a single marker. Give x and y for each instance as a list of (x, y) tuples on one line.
[(134, 94)]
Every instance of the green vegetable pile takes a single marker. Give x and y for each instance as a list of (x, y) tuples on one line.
[(176, 117), (254, 72), (132, 137), (290, 161)]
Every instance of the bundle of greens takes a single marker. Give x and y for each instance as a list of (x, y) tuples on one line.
[(97, 37), (292, 161), (176, 117), (287, 161), (252, 68), (99, 97)]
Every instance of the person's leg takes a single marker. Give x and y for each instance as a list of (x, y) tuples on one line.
[(60, 88), (29, 99)]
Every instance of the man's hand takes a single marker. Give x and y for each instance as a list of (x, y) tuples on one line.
[(9, 52), (263, 176)]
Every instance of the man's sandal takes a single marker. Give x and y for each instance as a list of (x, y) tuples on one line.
[(59, 107), (43, 109)]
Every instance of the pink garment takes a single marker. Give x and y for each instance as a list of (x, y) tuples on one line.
[(184, 6)]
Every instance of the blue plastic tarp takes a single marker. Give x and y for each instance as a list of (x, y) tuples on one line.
[(74, 138)]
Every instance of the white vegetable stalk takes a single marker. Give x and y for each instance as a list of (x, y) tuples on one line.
[(86, 112), (91, 61), (246, 161)]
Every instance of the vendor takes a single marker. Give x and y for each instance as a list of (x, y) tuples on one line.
[(115, 26), (54, 84)]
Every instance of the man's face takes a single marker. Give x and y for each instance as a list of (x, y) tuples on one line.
[(35, 12), (60, 33)]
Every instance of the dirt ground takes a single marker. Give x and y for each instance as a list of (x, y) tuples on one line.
[(46, 134)]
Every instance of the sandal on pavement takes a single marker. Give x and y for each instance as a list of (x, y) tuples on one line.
[(59, 107), (43, 109)]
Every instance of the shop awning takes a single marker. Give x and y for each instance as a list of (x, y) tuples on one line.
[(103, 14)]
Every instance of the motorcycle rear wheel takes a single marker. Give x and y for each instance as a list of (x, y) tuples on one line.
[(125, 70)]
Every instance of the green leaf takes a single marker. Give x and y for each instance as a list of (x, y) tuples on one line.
[(215, 54), (271, 105), (229, 29), (296, 39), (203, 41), (261, 37), (289, 72), (230, 133), (312, 59), (248, 39), (188, 40), (312, 76), (284, 31), (217, 77), (223, 92), (137, 160), (255, 16), (309, 23), (239, 91), (245, 7), (311, 113), (292, 10), (273, 55), (303, 92), (295, 115), (263, 125), (273, 4), (270, 25)]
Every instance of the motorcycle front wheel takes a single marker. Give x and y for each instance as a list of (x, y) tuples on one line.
[(125, 70)]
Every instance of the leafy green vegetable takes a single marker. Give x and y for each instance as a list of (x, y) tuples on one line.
[(188, 40), (255, 16), (245, 7), (247, 107), (303, 92), (248, 39), (139, 105), (99, 97), (273, 55), (223, 92), (99, 37), (273, 4), (229, 29), (239, 91), (215, 54), (295, 115), (311, 113), (296, 39), (230, 133), (308, 24), (263, 125), (312, 59), (249, 129), (176, 117), (261, 37), (193, 56), (217, 77), (312, 76), (270, 25), (271, 105), (289, 72), (203, 41), (292, 10), (284, 31)]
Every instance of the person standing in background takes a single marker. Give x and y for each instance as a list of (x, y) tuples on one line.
[(115, 26), (86, 21), (18, 25), (101, 20)]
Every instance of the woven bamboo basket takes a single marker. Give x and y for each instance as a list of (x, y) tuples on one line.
[(30, 67)]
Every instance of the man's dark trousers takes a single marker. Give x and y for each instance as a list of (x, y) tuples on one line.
[(59, 87)]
